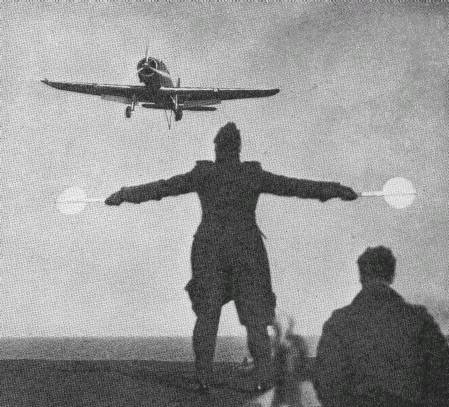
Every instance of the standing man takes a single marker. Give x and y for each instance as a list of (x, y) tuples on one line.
[(228, 259), (380, 351)]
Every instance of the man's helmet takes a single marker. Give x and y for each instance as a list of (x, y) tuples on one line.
[(228, 138)]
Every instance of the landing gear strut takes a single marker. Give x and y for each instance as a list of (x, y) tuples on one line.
[(130, 109), (176, 108)]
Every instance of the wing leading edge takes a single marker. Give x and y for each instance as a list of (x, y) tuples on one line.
[(127, 91), (192, 94), (187, 98), (141, 93)]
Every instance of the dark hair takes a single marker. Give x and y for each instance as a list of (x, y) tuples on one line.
[(377, 263), (228, 138)]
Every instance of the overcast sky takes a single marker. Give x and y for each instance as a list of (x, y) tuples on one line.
[(364, 97)]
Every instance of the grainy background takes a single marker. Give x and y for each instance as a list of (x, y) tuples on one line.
[(364, 97)]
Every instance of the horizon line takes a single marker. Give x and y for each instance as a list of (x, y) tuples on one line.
[(124, 336)]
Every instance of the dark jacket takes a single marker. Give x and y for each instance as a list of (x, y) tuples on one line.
[(382, 351), (229, 261), (229, 191)]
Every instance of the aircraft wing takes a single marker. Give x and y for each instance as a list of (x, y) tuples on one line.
[(125, 92), (192, 94)]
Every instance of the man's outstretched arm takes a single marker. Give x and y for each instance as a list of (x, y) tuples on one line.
[(302, 188), (177, 185)]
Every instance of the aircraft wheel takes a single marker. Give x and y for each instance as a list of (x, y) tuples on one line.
[(178, 115), (128, 112)]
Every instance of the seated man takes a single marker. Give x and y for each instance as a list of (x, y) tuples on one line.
[(379, 350)]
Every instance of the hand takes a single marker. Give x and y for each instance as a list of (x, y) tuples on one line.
[(115, 199), (330, 190), (347, 194)]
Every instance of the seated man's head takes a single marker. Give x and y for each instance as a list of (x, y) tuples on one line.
[(228, 141), (377, 264)]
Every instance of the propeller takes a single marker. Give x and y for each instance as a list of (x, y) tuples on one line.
[(162, 73), (147, 66), (159, 72)]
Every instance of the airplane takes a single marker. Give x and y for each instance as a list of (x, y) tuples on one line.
[(158, 92)]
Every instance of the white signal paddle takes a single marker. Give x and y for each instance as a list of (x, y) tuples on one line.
[(397, 192), (74, 200)]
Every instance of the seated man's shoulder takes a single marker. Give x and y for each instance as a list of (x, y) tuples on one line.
[(416, 310), (415, 317), (339, 317), (421, 312), (419, 308), (343, 312)]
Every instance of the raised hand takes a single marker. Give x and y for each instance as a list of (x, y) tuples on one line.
[(347, 194), (115, 199)]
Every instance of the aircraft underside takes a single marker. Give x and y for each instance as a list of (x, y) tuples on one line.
[(157, 91)]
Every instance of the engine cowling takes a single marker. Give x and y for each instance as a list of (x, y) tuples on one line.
[(144, 70)]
